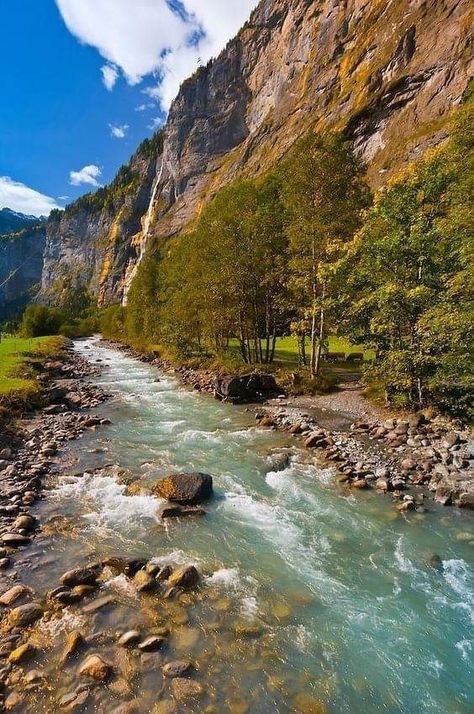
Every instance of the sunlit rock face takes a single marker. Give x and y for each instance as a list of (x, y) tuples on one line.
[(386, 72)]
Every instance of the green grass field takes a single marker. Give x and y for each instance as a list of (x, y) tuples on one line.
[(287, 349), (15, 352)]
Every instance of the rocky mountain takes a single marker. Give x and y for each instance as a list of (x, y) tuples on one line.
[(386, 72), (12, 221), (21, 267)]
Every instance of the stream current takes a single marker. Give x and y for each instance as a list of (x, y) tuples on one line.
[(312, 599)]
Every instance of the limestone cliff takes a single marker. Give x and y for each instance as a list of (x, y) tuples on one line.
[(386, 72), (96, 240), (21, 265)]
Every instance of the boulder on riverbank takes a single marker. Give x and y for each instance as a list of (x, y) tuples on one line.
[(185, 489), (254, 387)]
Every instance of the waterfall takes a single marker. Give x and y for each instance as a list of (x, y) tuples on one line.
[(132, 268)]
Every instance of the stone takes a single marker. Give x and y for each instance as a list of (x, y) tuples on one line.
[(185, 578), (359, 483), (12, 701), (14, 540), (182, 512), (143, 581), (22, 653), (164, 574), (186, 689), (81, 576), (25, 614), (74, 641), (185, 489), (129, 639), (95, 667), (151, 644), (26, 523), (408, 464), (450, 440), (315, 439), (179, 668), (98, 604), (121, 565), (74, 700), (13, 594), (246, 387)]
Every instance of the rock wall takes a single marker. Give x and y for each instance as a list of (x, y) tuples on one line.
[(21, 266), (386, 72)]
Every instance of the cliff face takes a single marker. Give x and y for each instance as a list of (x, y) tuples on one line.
[(386, 72), (96, 241), (21, 265)]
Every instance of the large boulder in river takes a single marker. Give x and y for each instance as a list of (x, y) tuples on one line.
[(254, 387), (186, 489)]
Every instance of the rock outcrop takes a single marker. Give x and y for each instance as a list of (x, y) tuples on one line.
[(185, 489), (21, 267), (385, 72)]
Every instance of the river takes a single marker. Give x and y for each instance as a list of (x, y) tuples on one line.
[(310, 593)]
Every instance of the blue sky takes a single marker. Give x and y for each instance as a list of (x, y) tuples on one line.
[(87, 80)]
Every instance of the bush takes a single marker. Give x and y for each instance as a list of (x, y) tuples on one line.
[(40, 321)]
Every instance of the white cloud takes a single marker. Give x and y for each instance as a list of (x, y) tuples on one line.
[(110, 74), (22, 198), (155, 123), (87, 175), (118, 131), (145, 37)]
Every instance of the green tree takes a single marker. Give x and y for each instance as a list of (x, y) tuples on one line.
[(41, 321), (324, 192)]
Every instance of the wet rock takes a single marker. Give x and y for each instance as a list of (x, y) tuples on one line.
[(81, 576), (129, 639), (185, 489), (95, 667), (151, 644), (179, 668), (316, 439), (164, 574), (13, 701), (359, 483), (246, 387), (435, 562), (121, 565), (73, 701), (25, 614), (74, 641), (185, 690), (182, 512), (98, 604), (185, 578), (22, 653), (144, 582), (13, 594), (26, 523), (15, 540), (406, 506), (247, 629)]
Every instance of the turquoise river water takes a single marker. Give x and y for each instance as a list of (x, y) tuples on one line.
[(335, 588)]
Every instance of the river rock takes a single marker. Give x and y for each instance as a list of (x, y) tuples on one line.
[(121, 565), (182, 512), (13, 701), (81, 576), (25, 522), (151, 644), (129, 639), (95, 667), (179, 668), (252, 387), (22, 653), (14, 540), (185, 489), (74, 641), (25, 614), (143, 581), (186, 577), (186, 689), (13, 594)]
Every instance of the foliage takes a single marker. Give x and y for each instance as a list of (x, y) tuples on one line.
[(409, 277), (16, 353), (39, 320), (112, 322), (324, 192)]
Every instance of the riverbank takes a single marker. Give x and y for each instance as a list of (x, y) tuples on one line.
[(412, 458)]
